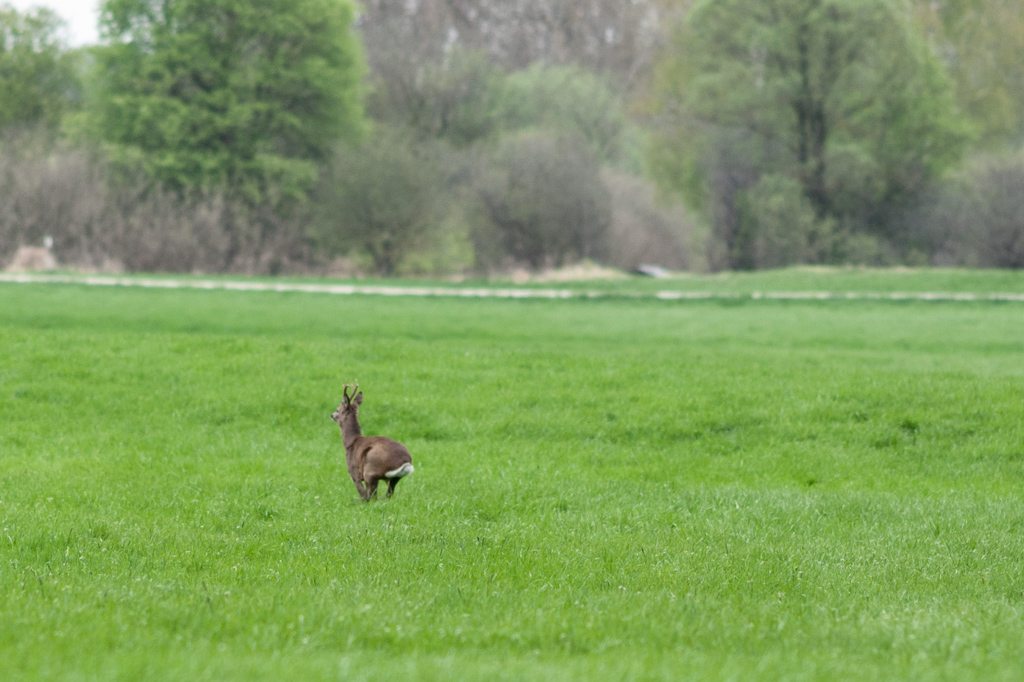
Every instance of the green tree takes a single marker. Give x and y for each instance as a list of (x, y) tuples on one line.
[(241, 95), (839, 95), (982, 45), (546, 201), (38, 81), (567, 100)]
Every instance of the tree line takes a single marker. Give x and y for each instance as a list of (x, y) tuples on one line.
[(443, 137)]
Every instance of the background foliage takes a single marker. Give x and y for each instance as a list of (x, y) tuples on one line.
[(748, 136)]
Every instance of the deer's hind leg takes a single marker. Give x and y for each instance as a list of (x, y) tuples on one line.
[(371, 487), (359, 488), (392, 482)]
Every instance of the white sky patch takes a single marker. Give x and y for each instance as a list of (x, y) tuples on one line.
[(81, 17)]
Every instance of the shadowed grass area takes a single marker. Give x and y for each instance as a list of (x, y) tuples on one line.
[(604, 489)]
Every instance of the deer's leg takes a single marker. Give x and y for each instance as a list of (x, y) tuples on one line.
[(392, 482), (362, 490), (357, 477), (371, 488)]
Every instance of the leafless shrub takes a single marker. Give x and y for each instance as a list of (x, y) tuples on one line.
[(976, 217), (453, 99), (642, 229), (98, 223), (159, 231), (59, 194), (32, 259), (607, 36)]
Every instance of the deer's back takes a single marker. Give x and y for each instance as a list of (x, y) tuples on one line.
[(381, 455)]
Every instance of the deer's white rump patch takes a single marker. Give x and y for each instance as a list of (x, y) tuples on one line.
[(401, 471)]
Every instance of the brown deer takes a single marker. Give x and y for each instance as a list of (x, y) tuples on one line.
[(372, 458)]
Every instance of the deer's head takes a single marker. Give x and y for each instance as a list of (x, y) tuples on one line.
[(349, 405)]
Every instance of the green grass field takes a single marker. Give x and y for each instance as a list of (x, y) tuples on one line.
[(605, 489)]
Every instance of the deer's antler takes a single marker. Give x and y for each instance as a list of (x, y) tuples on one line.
[(344, 393)]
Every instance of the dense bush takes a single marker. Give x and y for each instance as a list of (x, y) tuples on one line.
[(385, 199), (778, 226), (545, 202)]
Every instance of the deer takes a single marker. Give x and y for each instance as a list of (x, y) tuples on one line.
[(369, 458)]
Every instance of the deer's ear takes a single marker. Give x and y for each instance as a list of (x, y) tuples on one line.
[(358, 400)]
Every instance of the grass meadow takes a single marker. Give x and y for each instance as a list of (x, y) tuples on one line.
[(607, 489)]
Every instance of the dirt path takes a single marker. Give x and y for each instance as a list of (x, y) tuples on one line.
[(507, 292)]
